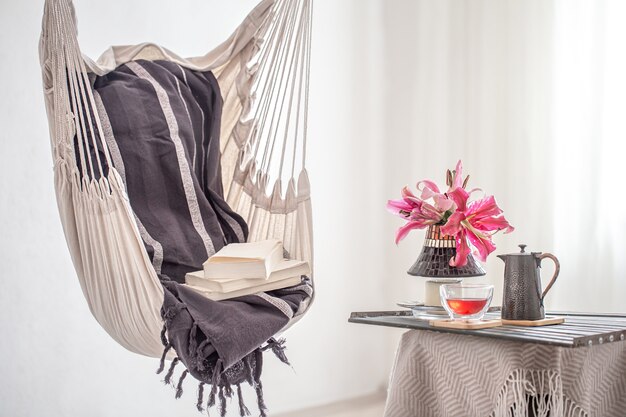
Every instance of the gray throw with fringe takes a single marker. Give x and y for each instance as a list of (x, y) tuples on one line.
[(162, 124)]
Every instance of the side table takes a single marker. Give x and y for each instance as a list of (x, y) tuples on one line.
[(576, 369)]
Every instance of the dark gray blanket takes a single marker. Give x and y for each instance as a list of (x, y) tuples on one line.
[(162, 125)]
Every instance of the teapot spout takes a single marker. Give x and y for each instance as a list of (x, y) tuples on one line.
[(503, 257)]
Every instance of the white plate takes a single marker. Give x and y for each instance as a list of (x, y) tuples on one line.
[(409, 304)]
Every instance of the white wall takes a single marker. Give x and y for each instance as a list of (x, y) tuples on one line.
[(56, 360)]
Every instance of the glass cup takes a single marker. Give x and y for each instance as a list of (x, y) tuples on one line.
[(466, 301)]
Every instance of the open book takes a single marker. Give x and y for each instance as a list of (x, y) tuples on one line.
[(244, 260)]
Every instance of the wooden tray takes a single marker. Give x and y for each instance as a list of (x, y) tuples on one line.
[(548, 321), (578, 330), (466, 325)]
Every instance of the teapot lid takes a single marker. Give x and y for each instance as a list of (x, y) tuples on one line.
[(523, 252)]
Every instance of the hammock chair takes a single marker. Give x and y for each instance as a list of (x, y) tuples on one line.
[(263, 74)]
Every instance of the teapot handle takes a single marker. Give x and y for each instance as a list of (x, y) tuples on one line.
[(556, 271)]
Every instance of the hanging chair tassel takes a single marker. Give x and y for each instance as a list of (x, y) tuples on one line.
[(162, 362), (179, 387), (243, 410), (170, 372), (222, 402), (215, 380), (200, 397)]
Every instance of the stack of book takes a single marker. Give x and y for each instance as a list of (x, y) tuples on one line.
[(247, 268)]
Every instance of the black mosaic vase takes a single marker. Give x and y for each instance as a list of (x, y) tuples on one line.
[(434, 260)]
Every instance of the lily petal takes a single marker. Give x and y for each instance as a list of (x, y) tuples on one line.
[(458, 176), (484, 246), (453, 225), (486, 207), (429, 189), (430, 212), (396, 206), (475, 190), (459, 196), (407, 193), (404, 230), (462, 251), (414, 201), (489, 224), (443, 203)]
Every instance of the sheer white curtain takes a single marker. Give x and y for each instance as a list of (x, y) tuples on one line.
[(531, 95), (590, 140)]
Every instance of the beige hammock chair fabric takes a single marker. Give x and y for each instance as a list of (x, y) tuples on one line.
[(262, 70)]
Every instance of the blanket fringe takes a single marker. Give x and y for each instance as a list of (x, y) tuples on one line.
[(170, 372), (258, 386), (248, 368), (278, 348), (222, 402), (221, 388), (542, 390), (228, 390), (215, 380), (162, 361), (243, 410), (179, 387), (571, 409), (200, 397)]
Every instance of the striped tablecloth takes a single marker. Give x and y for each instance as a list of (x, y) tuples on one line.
[(453, 375)]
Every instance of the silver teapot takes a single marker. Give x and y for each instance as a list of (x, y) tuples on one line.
[(523, 297)]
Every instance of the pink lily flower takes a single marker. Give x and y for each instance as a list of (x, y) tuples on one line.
[(475, 222), (472, 224), (418, 213)]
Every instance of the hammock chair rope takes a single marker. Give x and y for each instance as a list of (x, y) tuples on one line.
[(263, 73)]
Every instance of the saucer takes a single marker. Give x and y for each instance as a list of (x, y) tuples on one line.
[(424, 312), (409, 304)]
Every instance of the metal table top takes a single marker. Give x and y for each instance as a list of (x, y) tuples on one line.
[(579, 329)]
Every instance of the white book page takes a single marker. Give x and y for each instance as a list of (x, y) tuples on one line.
[(246, 252)]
